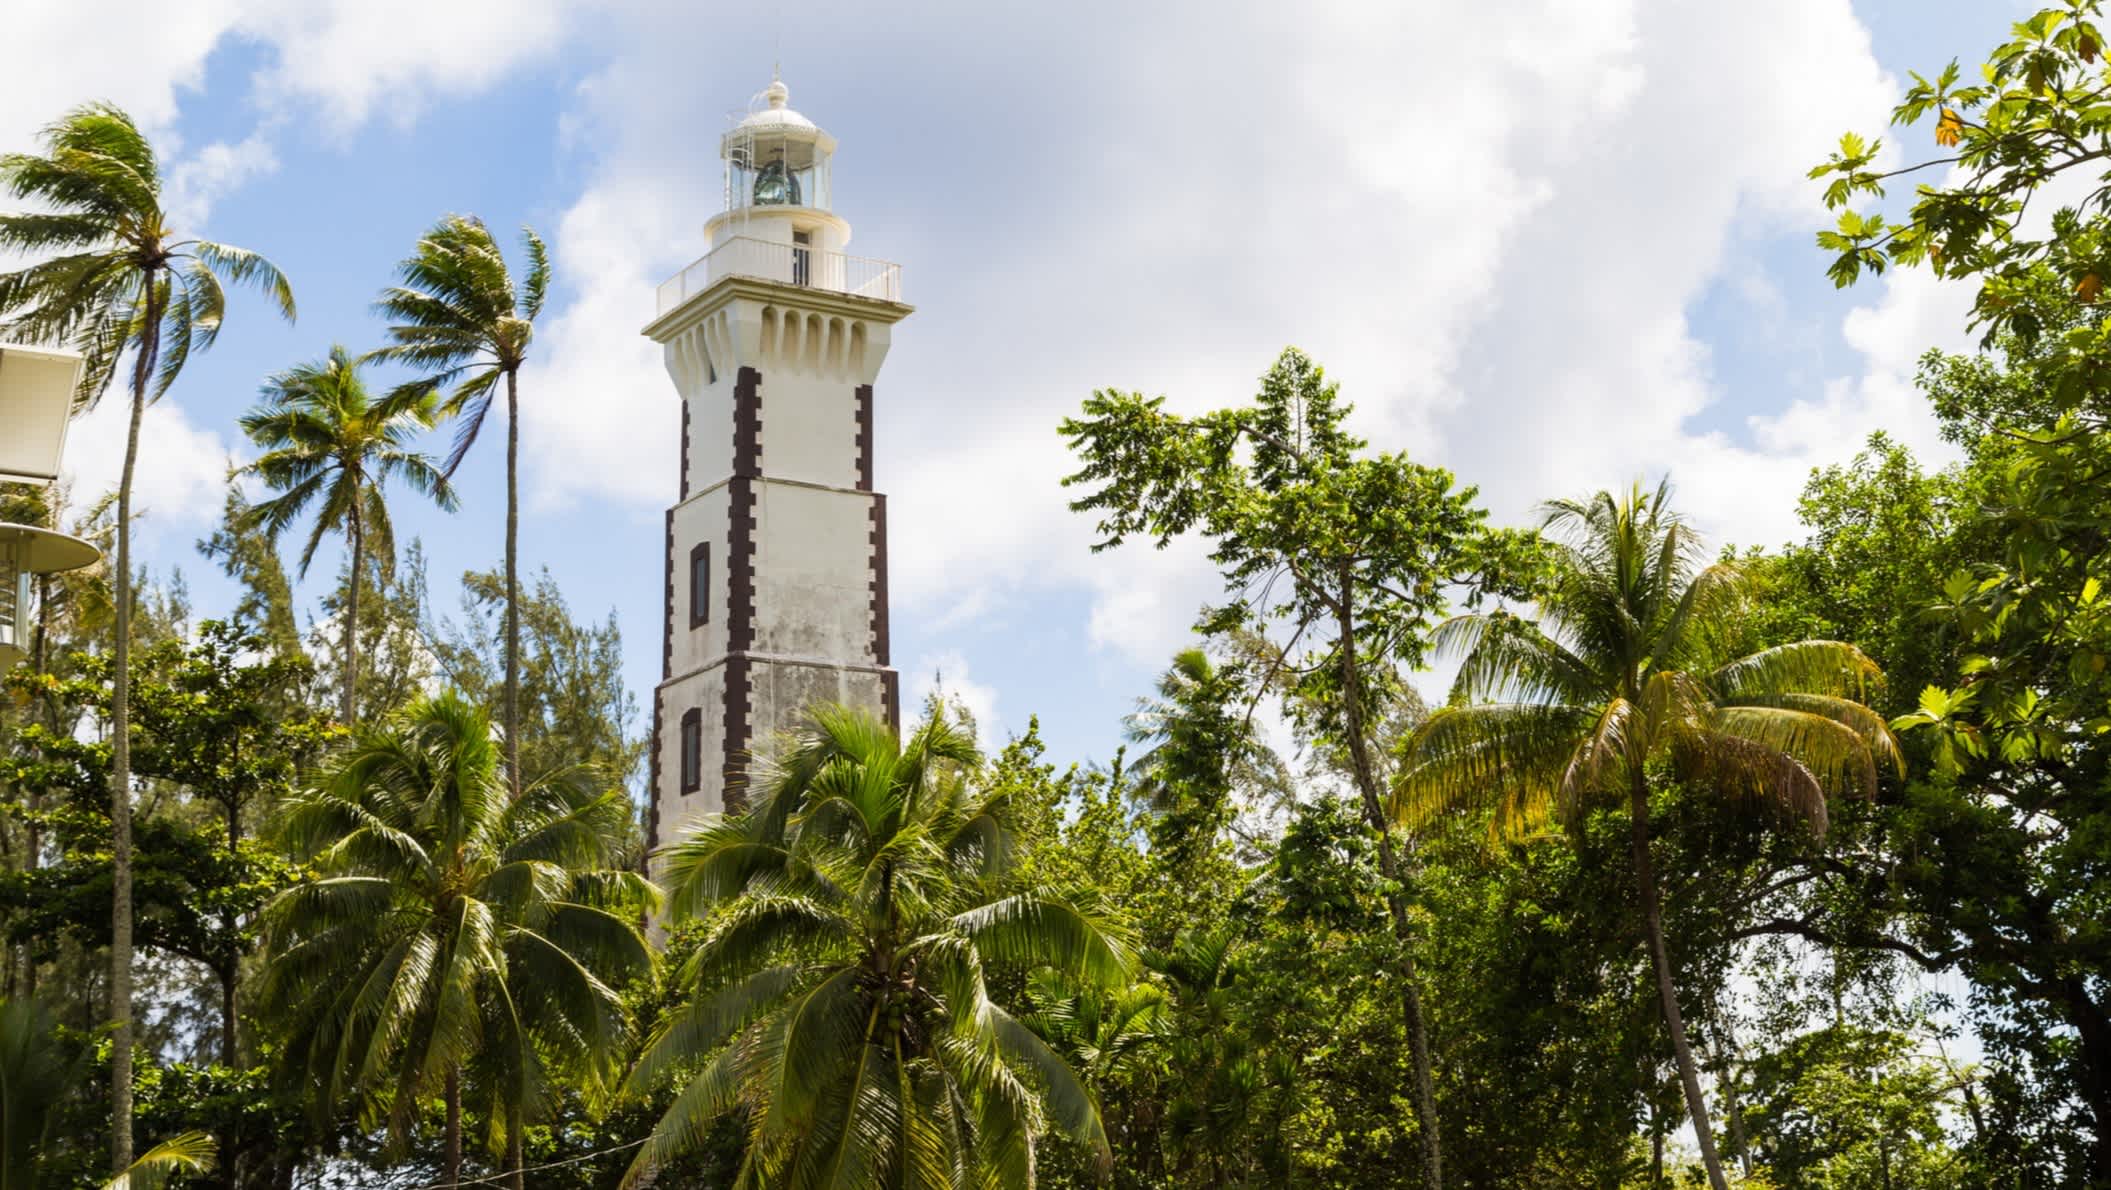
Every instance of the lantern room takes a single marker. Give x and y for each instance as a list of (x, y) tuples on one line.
[(777, 179)]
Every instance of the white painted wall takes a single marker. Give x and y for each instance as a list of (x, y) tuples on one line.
[(813, 573)]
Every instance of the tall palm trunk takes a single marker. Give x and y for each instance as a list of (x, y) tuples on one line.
[(516, 1157), (121, 755), (350, 711), (231, 974), (452, 1160), (1689, 1076), (1425, 1097), (512, 583)]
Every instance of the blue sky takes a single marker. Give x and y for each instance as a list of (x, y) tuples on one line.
[(1552, 252)]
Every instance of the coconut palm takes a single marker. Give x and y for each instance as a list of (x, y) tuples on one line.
[(324, 436), (1629, 670), (452, 928), (842, 996), (111, 276), (460, 317)]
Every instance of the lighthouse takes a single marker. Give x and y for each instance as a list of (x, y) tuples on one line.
[(776, 566)]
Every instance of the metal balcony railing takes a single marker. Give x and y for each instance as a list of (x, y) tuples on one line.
[(787, 264)]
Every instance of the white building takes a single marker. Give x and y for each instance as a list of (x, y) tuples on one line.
[(777, 549)]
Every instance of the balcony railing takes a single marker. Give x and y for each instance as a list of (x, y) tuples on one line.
[(786, 264)]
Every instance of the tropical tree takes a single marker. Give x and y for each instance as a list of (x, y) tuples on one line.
[(1629, 671), (112, 277), (861, 911), (1345, 556), (460, 317), (1198, 749), (452, 929), (325, 438)]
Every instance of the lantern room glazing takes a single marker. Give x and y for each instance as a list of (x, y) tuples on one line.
[(776, 157)]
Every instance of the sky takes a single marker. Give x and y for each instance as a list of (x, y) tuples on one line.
[(1554, 248)]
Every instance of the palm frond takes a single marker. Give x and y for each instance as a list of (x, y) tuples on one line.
[(184, 1153)]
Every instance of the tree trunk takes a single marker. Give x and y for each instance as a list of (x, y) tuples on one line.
[(513, 583), (231, 974), (452, 1159), (121, 754), (1425, 1097), (1689, 1077), (516, 1158), (349, 711), (1725, 1065), (2093, 1029)]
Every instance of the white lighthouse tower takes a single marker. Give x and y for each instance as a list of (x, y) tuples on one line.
[(777, 548)]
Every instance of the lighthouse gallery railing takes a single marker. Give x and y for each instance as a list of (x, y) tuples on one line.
[(788, 264)]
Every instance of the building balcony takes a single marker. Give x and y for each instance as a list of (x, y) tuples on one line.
[(785, 264)]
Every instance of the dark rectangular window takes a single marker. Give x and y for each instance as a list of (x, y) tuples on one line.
[(700, 585), (692, 750)]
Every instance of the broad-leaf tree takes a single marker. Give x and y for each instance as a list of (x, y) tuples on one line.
[(1626, 674), (331, 446), (452, 929), (1345, 556), (863, 914), (112, 278), (2003, 857), (461, 317)]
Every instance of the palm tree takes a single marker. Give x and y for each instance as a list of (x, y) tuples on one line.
[(459, 317), (111, 276), (452, 925), (323, 436), (1631, 665), (842, 995), (1200, 758)]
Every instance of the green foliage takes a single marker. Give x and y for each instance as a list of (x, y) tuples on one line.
[(221, 739), (864, 914), (1627, 670), (1848, 1106), (575, 708), (451, 931), (112, 275), (330, 447)]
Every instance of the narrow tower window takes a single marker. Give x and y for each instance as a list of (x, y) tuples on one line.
[(692, 750), (700, 585), (802, 257)]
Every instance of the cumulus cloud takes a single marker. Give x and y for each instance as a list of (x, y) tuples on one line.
[(946, 674), (359, 58), (1494, 235), (179, 480)]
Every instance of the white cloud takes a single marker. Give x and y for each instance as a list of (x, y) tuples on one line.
[(138, 62), (1492, 234), (946, 674), (358, 58), (180, 478), (198, 180)]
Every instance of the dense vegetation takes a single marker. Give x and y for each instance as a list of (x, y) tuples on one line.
[(1717, 866)]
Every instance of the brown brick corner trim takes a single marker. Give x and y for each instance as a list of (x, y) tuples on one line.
[(882, 649), (864, 440), (652, 788), (733, 771), (685, 448), (740, 584)]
